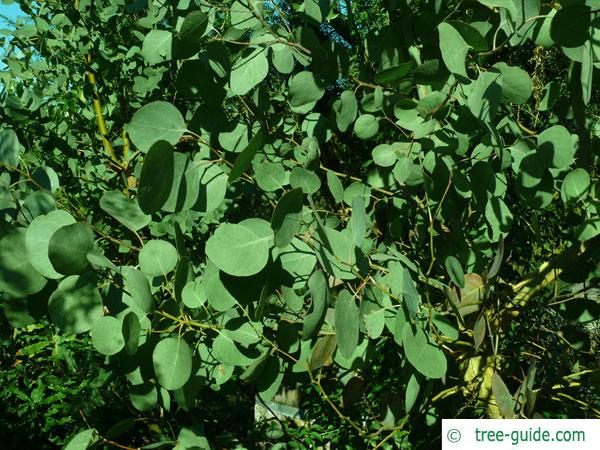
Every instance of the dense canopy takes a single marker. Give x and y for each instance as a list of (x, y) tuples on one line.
[(391, 206)]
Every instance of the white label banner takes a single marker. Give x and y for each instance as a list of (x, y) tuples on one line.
[(527, 434)]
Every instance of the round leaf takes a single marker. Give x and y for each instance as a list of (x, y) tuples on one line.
[(237, 250), (384, 155), (158, 258), (516, 84), (269, 176), (306, 180), (305, 88), (155, 122), (193, 294), (248, 71), (157, 46), (172, 361), (76, 304), (575, 185), (555, 147), (68, 248), (107, 335), (17, 276), (366, 126), (37, 240)]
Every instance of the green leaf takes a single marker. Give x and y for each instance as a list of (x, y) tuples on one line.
[(157, 121), (347, 323), (366, 126), (238, 250), (124, 210), (17, 276), (206, 186), (305, 88), (269, 176), (217, 294), (499, 218), (189, 40), (68, 248), (156, 178), (575, 186), (37, 240), (319, 293), (374, 320), (75, 306), (443, 324), (227, 351), (144, 396), (282, 57), (394, 74), (571, 25), (359, 221), (270, 379), (131, 330), (194, 294), (587, 71), (316, 10), (479, 331), (136, 288), (9, 147), (248, 71), (345, 110), (484, 96), (411, 393), (244, 159), (384, 155), (191, 440), (401, 284), (454, 49), (503, 398), (471, 35), (107, 335), (172, 362), (542, 30), (400, 321), (555, 147), (297, 262), (241, 15), (157, 258), (235, 137), (428, 359), (340, 263), (81, 441), (322, 353), (516, 84), (306, 180), (335, 187), (183, 274), (98, 260), (36, 204), (287, 217), (455, 271), (240, 330), (157, 47)]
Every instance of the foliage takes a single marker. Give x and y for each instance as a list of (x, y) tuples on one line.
[(392, 206)]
